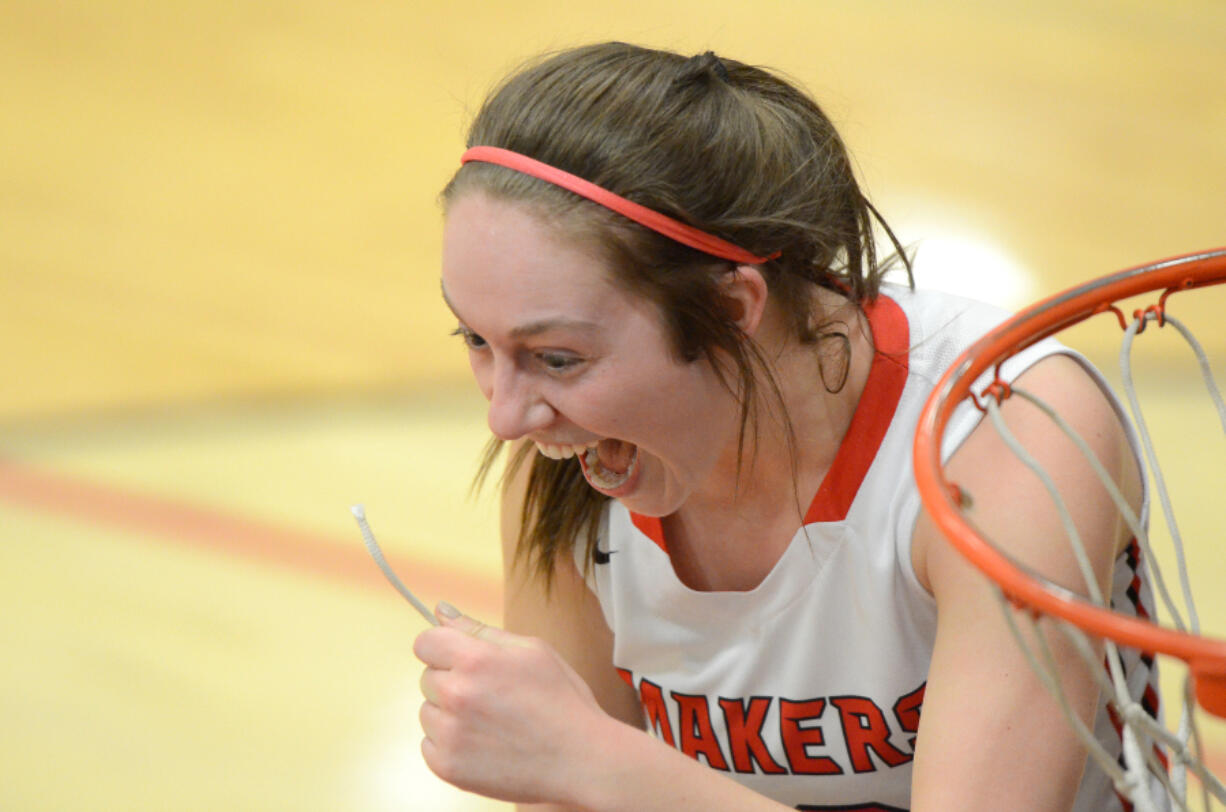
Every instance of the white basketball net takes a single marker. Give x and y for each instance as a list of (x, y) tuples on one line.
[(1141, 778)]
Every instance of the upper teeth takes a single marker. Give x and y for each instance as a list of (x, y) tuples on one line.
[(563, 452)]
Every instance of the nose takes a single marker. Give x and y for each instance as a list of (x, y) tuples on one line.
[(516, 406)]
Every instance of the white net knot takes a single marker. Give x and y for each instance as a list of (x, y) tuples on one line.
[(1135, 716)]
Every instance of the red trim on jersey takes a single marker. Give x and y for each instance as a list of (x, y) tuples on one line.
[(882, 391), (874, 412), (650, 527)]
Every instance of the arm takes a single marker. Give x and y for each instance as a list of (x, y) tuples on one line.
[(538, 715), (991, 735), (569, 619)]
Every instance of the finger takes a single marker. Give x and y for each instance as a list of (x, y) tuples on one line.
[(429, 685), (436, 726), (453, 618), (441, 646), (435, 756)]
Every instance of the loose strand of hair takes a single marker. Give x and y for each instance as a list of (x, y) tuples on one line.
[(900, 253)]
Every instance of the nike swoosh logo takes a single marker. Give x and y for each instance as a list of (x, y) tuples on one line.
[(600, 556)]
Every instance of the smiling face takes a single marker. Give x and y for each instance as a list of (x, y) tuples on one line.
[(568, 359)]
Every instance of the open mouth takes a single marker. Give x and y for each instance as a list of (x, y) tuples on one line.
[(609, 466)]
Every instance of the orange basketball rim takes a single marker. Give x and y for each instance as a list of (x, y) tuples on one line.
[(1206, 657)]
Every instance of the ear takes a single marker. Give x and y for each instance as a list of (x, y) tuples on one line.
[(745, 293)]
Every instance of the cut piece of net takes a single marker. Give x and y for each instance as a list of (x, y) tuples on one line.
[(1144, 739)]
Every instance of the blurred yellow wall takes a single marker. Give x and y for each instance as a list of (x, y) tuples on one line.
[(204, 201)]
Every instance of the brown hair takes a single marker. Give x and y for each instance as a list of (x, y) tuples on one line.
[(726, 147)]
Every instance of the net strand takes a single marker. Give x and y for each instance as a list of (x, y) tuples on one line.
[(1138, 529), (1123, 701), (372, 546), (1130, 784), (1138, 729), (1116, 686), (1138, 417), (1066, 518), (1133, 711), (1188, 728), (1095, 749), (1135, 766)]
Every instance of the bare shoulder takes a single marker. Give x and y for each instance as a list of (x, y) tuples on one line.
[(1009, 498), (567, 615), (1013, 721)]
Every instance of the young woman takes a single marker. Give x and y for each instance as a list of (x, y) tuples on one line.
[(721, 592)]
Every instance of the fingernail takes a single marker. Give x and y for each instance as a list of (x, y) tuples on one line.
[(447, 610)]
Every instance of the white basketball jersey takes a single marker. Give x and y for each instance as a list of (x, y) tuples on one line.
[(809, 688)]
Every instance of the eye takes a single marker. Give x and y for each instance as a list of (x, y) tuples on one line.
[(557, 362), (470, 339)]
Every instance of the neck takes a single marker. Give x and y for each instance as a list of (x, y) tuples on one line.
[(744, 520)]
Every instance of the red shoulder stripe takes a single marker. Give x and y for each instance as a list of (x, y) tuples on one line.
[(886, 378), (874, 412)]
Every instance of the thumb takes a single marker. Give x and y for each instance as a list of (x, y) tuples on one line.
[(453, 618)]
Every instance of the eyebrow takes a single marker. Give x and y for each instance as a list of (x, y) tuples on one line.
[(546, 325), (533, 328)]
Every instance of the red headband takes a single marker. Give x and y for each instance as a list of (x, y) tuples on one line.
[(652, 219)]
